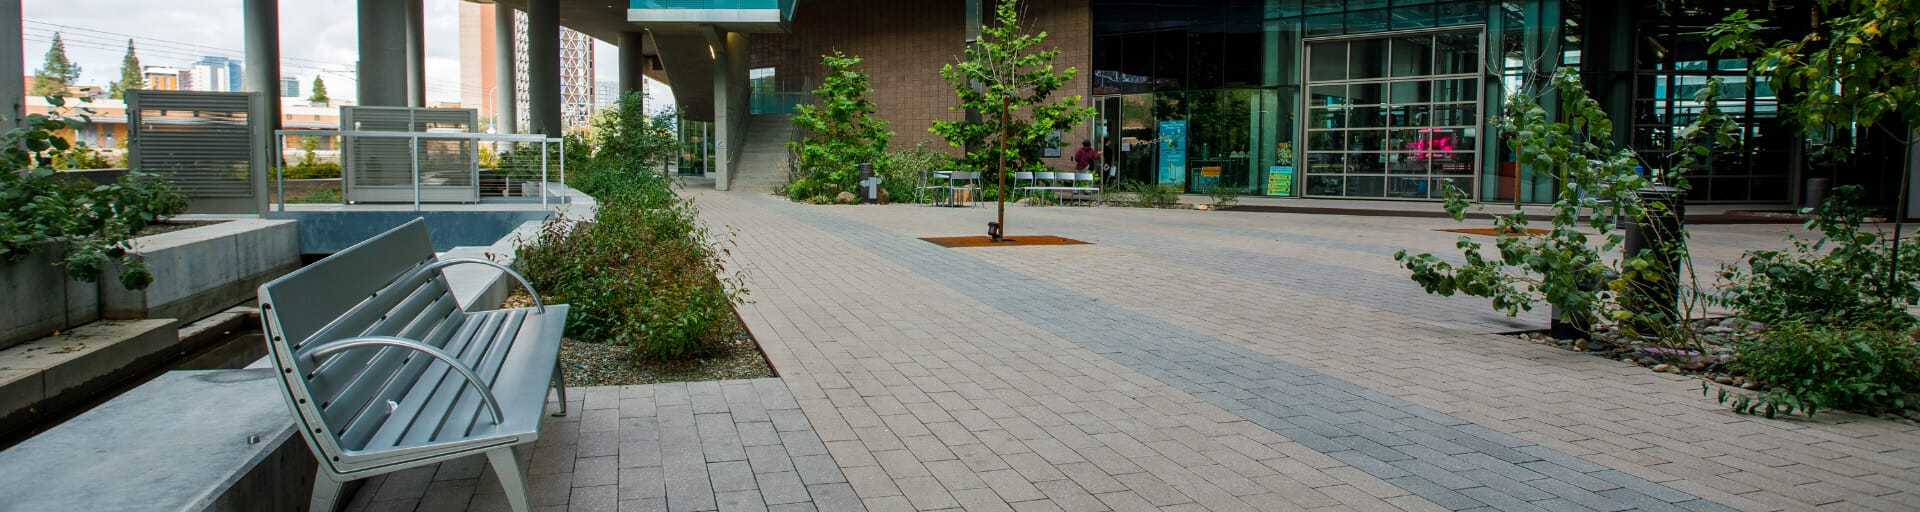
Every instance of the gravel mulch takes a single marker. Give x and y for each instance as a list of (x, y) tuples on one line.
[(590, 363)]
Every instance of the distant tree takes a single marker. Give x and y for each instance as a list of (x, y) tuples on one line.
[(130, 77), (57, 72), (319, 92)]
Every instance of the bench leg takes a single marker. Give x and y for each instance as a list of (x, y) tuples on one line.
[(560, 386), (506, 465), (326, 494)]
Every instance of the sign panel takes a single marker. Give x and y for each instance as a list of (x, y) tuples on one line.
[(1280, 180), (1173, 152)]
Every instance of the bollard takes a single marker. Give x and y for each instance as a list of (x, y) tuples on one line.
[(871, 184), (1659, 230), (1817, 189)]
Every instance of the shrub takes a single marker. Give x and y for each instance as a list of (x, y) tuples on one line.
[(323, 196), (1224, 196), (1809, 368), (1150, 195), (97, 224), (315, 170), (1838, 280), (644, 272), (901, 169)]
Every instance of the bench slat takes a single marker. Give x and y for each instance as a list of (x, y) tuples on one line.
[(439, 386), (315, 295), (468, 413), (345, 404), (397, 306), (445, 322)]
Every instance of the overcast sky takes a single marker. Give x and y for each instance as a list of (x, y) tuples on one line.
[(317, 37)]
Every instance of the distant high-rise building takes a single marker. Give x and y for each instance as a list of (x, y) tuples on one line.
[(289, 87), (161, 78), (576, 78), (219, 74), (606, 94), (478, 87), (186, 80), (477, 60)]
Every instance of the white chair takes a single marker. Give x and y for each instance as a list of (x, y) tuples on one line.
[(1083, 182), (954, 181), (927, 184), (1023, 175), (1043, 188)]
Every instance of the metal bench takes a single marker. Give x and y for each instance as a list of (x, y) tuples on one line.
[(385, 371)]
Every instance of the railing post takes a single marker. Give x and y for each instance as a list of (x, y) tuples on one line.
[(543, 170), (280, 167), (413, 149)]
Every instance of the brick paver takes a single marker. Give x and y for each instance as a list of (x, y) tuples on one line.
[(732, 445), (1184, 361), (1225, 361)]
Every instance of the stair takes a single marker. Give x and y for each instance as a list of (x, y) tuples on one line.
[(763, 159)]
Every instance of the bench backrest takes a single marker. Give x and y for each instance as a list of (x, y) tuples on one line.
[(374, 288)]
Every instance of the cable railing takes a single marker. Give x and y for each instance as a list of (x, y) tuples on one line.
[(394, 167)]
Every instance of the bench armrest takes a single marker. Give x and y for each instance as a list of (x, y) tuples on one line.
[(486, 395), (541, 306)]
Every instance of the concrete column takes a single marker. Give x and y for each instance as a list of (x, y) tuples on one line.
[(722, 106), (416, 54), (543, 67), (261, 21), (506, 111), (13, 91), (633, 62), (383, 53)]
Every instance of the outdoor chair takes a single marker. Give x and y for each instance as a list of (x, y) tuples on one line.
[(971, 182), (928, 182)]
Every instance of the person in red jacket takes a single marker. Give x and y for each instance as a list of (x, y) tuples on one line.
[(1086, 159)]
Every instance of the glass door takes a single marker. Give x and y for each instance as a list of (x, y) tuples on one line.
[(1393, 117)]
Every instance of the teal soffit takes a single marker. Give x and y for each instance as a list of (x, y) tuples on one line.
[(772, 15)]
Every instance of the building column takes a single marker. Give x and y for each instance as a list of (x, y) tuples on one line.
[(633, 62), (383, 53), (261, 20), (416, 54), (13, 89), (506, 108), (543, 68)]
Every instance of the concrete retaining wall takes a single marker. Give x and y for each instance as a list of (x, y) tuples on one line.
[(201, 271), (327, 232), (40, 299)]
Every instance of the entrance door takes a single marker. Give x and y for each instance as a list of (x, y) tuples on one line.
[(1393, 116)]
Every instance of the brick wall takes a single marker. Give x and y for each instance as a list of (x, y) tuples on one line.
[(904, 44)]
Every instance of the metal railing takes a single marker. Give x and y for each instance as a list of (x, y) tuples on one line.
[(414, 142)]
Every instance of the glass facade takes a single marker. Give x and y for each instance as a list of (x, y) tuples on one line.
[(1390, 99)]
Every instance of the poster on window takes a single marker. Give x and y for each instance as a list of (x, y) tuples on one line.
[(1280, 180), (1173, 152)]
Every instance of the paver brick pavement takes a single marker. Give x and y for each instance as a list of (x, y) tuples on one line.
[(1292, 342)]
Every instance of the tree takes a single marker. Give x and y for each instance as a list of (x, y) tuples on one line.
[(319, 92), (1002, 74), (56, 73), (842, 130), (1856, 68), (130, 77)]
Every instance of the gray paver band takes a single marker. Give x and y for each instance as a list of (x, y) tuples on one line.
[(1454, 463)]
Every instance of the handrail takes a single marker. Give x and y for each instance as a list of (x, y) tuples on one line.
[(486, 395), (537, 303), (279, 160)]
